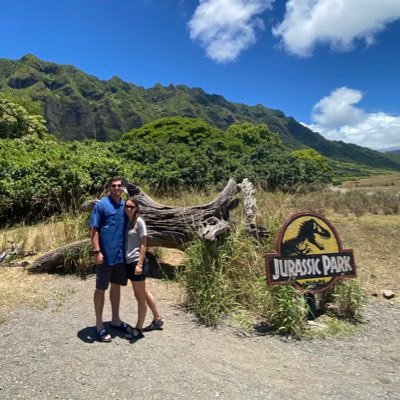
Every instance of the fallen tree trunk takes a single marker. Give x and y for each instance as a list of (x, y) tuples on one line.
[(58, 258), (171, 227), (174, 227)]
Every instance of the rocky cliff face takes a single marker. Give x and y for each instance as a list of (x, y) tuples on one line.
[(78, 106)]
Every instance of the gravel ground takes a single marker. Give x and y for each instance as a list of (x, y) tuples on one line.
[(51, 354)]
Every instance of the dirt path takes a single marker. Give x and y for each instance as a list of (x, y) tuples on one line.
[(50, 354)]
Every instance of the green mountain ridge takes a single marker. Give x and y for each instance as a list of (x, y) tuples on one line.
[(78, 106)]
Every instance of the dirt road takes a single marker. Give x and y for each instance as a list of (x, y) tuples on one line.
[(51, 354)]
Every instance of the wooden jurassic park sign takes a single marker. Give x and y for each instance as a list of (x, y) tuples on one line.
[(309, 254)]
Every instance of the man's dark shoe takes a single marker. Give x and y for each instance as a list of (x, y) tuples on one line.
[(103, 336)]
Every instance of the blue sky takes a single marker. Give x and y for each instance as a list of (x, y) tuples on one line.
[(331, 64)]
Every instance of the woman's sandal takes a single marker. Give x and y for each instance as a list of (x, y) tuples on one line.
[(134, 334), (156, 324), (103, 336)]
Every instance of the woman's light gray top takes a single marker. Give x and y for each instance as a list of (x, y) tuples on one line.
[(132, 240)]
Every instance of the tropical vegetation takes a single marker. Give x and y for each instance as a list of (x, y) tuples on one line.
[(41, 175)]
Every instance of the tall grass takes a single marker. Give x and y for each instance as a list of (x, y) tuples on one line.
[(206, 292), (230, 279), (79, 261), (286, 310)]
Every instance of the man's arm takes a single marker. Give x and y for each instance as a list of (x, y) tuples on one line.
[(94, 239)]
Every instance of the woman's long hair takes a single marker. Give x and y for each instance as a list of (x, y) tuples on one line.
[(132, 222)]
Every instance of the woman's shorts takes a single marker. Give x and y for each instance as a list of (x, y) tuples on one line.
[(130, 271)]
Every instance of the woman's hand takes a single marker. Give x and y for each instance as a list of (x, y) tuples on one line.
[(139, 269)]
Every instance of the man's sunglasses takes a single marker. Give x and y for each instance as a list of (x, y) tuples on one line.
[(114, 185)]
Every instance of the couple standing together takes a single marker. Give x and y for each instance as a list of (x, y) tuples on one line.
[(119, 241)]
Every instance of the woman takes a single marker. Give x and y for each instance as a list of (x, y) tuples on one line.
[(137, 268)]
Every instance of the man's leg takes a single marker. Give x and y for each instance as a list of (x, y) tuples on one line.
[(118, 278), (98, 307), (115, 298), (103, 275)]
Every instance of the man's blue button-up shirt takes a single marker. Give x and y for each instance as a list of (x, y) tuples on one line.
[(109, 219)]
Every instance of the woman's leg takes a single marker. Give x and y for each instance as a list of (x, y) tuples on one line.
[(139, 289), (152, 304)]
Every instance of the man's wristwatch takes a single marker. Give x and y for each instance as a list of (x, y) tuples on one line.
[(95, 252)]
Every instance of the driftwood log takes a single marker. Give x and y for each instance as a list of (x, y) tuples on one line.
[(171, 227), (14, 251), (57, 258), (174, 227)]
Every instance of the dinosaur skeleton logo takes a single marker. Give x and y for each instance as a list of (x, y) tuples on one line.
[(309, 254), (309, 232)]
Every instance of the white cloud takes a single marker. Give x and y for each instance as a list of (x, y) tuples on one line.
[(227, 27), (338, 23), (337, 109), (336, 118)]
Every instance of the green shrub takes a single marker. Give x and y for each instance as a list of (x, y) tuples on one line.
[(40, 176), (15, 121)]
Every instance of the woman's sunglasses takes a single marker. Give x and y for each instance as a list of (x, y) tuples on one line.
[(130, 207)]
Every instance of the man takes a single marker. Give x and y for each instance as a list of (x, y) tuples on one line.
[(107, 228)]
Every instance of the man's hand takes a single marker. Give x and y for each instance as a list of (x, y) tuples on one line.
[(99, 258)]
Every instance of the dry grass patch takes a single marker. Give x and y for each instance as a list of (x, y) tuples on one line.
[(47, 236), (19, 289), (374, 239), (390, 182), (172, 257)]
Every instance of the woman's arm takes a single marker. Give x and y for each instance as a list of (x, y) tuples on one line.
[(143, 248)]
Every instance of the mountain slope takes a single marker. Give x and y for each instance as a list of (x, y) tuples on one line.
[(78, 106)]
